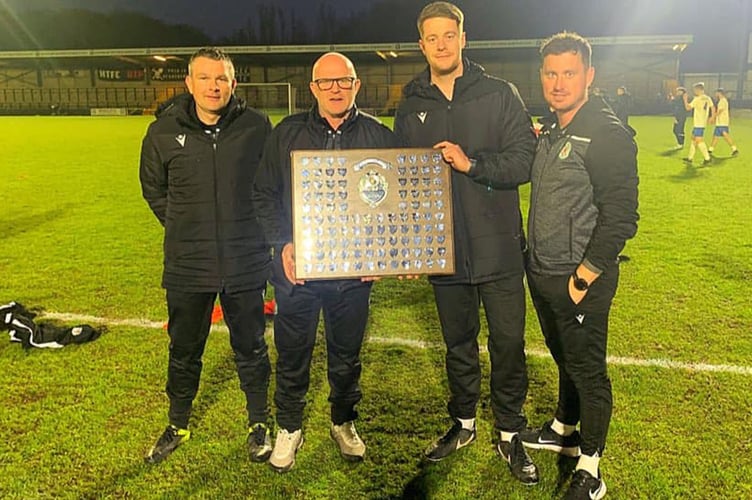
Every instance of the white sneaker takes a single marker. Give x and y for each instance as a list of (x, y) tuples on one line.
[(286, 446), (350, 445)]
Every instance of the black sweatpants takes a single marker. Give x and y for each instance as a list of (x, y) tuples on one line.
[(679, 130), (188, 327), (345, 308), (577, 336), (458, 307)]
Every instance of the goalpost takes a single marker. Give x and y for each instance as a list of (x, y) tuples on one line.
[(272, 98)]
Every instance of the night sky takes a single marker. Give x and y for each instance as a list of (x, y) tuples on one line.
[(715, 24), (215, 17)]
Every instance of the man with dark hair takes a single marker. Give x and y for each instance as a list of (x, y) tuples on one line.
[(722, 122), (680, 116), (198, 161), (484, 132), (333, 123), (583, 209)]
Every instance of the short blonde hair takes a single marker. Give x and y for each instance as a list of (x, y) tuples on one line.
[(441, 9)]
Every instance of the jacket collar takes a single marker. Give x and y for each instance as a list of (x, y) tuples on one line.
[(183, 107), (316, 120), (421, 85), (593, 106)]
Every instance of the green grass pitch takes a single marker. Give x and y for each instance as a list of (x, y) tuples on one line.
[(78, 238)]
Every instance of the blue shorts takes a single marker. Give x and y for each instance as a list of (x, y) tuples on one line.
[(720, 130), (698, 131)]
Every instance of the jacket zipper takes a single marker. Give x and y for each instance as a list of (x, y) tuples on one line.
[(218, 230), (534, 199)]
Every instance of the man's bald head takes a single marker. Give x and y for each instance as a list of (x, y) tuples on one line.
[(331, 63), (335, 85)]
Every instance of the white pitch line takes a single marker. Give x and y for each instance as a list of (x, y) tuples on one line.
[(420, 344)]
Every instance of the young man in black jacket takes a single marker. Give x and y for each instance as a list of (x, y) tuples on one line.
[(485, 133), (198, 161), (333, 123), (679, 111), (583, 209)]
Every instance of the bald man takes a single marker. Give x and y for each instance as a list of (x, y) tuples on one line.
[(333, 123)]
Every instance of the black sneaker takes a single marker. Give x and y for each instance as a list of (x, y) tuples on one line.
[(259, 443), (585, 487), (707, 162), (687, 161), (546, 439), (520, 463), (735, 152), (457, 437), (166, 444)]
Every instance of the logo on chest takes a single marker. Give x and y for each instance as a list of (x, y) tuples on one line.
[(181, 139), (422, 116), (565, 151)]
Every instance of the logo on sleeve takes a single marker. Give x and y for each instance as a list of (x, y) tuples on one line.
[(181, 139), (565, 151), (422, 116)]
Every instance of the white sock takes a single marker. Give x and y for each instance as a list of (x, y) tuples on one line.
[(691, 150), (467, 423), (589, 463), (507, 436), (710, 149), (704, 150), (561, 428), (733, 148)]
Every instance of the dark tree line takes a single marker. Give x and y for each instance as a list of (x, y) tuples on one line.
[(82, 29)]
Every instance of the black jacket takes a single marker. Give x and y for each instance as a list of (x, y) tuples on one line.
[(272, 193), (488, 119), (678, 108), (583, 206), (198, 182)]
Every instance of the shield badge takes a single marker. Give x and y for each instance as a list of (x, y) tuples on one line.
[(373, 188)]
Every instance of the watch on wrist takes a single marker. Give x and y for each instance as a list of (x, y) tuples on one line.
[(580, 283)]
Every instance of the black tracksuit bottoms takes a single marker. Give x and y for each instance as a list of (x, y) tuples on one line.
[(345, 309), (188, 327), (504, 303), (679, 129), (577, 337)]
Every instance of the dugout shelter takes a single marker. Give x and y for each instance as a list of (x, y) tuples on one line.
[(275, 78)]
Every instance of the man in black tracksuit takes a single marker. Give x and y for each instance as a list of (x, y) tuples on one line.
[(583, 209), (485, 134), (333, 123), (679, 110), (198, 161)]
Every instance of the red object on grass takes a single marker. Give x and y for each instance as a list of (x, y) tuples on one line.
[(270, 309), (216, 314)]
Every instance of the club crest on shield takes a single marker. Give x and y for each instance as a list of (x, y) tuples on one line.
[(373, 188)]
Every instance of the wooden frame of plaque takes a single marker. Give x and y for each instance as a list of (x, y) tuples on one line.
[(371, 212)]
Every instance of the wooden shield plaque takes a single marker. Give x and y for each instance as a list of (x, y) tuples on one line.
[(371, 212)]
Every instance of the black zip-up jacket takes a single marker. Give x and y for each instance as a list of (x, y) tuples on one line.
[(272, 193), (198, 181), (678, 108), (583, 205), (488, 119)]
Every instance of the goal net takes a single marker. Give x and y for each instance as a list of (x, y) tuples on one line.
[(274, 99)]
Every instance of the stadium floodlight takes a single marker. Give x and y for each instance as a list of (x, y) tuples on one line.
[(272, 98)]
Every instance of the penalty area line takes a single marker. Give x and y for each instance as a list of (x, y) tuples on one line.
[(420, 344)]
